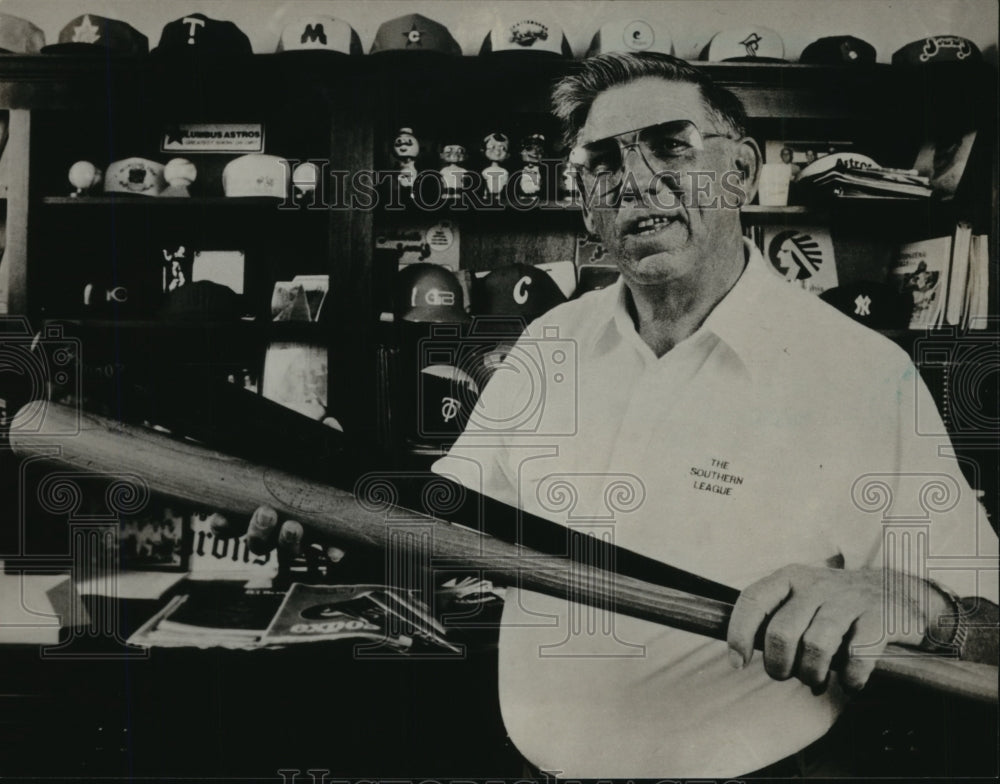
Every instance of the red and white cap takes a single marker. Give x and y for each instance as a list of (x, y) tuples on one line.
[(631, 35), (320, 34), (256, 174), (752, 43)]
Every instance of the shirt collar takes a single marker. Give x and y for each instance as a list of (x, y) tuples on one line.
[(737, 319)]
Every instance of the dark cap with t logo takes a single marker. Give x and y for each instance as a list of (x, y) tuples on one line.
[(196, 34)]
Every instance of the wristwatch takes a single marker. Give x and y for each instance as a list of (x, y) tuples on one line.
[(960, 634)]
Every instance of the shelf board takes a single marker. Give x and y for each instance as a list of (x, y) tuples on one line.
[(163, 203), (305, 331)]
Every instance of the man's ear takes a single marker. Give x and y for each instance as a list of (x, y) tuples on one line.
[(748, 163), (588, 216)]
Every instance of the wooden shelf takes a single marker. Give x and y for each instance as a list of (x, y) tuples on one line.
[(295, 331), (165, 203)]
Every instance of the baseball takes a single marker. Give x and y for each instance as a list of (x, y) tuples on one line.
[(83, 175), (180, 171), (305, 177)]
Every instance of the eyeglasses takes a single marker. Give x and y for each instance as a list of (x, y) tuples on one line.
[(664, 147)]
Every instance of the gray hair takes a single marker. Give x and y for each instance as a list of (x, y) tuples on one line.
[(574, 94)]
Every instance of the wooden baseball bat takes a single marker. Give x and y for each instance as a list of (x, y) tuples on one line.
[(218, 481)]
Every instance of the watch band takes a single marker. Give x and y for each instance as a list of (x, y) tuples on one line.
[(960, 633)]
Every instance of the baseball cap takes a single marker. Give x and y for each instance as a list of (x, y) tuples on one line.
[(827, 162), (937, 49), (428, 293), (515, 290), (201, 300), (631, 35), (837, 50), (19, 36), (535, 34), (414, 33), (197, 34), (745, 44), (256, 174), (319, 34), (876, 305), (93, 34), (135, 175), (447, 395)]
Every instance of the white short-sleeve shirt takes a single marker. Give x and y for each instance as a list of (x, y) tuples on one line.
[(780, 432)]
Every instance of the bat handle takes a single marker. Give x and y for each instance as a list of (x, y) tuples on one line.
[(972, 680)]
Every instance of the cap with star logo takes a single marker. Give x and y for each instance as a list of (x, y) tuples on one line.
[(750, 44), (196, 34), (631, 35), (93, 34), (19, 36), (319, 34), (876, 305), (536, 34), (414, 33)]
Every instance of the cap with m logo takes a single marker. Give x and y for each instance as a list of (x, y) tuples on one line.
[(319, 33)]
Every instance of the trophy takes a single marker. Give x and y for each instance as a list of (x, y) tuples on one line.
[(83, 176), (179, 174), (496, 148)]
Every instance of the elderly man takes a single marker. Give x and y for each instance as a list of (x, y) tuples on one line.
[(761, 438)]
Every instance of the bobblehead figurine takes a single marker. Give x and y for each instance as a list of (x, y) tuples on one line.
[(496, 148), (453, 176), (532, 151), (405, 149)]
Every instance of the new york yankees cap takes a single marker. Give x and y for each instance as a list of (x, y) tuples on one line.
[(429, 293), (196, 34), (937, 49), (414, 33), (838, 50), (93, 34), (631, 35), (876, 305), (256, 174), (19, 36), (750, 44), (319, 34), (532, 34)]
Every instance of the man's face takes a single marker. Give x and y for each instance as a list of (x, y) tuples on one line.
[(685, 247)]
